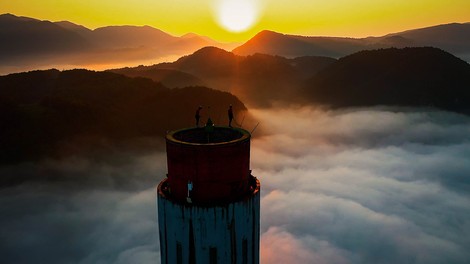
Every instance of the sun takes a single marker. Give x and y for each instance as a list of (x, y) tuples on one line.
[(237, 15)]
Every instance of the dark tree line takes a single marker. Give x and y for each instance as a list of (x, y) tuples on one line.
[(53, 113)]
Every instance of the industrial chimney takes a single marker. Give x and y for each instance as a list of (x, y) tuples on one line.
[(209, 204)]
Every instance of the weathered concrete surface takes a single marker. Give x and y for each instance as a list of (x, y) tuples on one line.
[(223, 233)]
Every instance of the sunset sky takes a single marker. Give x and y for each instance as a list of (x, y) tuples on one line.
[(238, 20), (362, 148)]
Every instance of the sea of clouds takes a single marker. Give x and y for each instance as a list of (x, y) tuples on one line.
[(366, 185)]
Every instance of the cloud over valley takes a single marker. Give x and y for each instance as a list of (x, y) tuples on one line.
[(366, 185)]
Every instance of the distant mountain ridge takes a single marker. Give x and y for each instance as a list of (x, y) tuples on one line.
[(64, 44), (270, 42), (27, 42), (453, 38), (68, 110), (26, 37), (259, 79), (414, 77)]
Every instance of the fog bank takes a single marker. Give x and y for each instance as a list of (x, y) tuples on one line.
[(364, 186), (371, 185)]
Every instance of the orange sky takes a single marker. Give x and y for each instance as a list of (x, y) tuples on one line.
[(357, 18)]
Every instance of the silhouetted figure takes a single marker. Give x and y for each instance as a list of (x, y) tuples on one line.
[(209, 129), (198, 115), (230, 116)]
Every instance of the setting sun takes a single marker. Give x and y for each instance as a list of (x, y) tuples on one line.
[(237, 15), (239, 20)]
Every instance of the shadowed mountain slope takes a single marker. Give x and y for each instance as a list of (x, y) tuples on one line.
[(270, 42), (426, 77), (454, 38), (53, 113), (258, 80), (28, 43), (23, 37), (167, 77)]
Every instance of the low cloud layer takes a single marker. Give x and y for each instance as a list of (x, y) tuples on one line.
[(97, 212), (358, 186), (364, 186)]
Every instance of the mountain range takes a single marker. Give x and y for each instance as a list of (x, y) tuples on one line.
[(28, 44), (57, 113), (453, 38), (259, 80), (423, 77), (420, 76)]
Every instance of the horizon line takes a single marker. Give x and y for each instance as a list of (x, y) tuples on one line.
[(232, 42)]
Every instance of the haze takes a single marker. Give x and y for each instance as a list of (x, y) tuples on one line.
[(329, 18)]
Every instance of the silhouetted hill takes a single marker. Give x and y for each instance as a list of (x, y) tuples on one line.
[(53, 113), (454, 38), (307, 66), (258, 80), (404, 77), (22, 37), (130, 37), (169, 78), (138, 37), (81, 30), (208, 62), (30, 44), (269, 42)]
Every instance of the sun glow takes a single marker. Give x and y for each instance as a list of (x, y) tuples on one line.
[(239, 20), (237, 15)]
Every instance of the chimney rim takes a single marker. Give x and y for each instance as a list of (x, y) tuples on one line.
[(176, 136)]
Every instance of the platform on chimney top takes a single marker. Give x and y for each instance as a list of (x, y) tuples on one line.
[(208, 135)]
